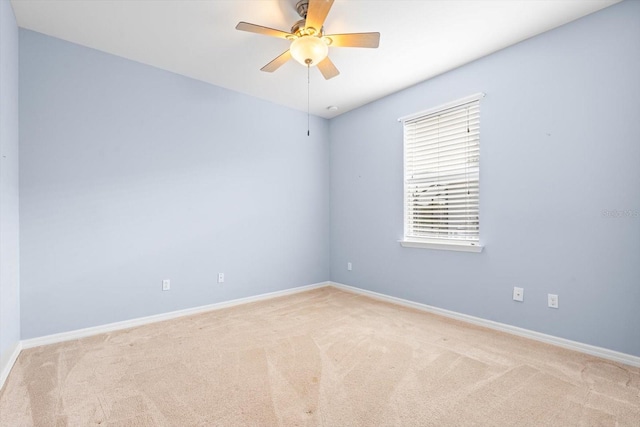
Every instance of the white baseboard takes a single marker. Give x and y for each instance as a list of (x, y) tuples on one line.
[(110, 327), (549, 339), (592, 350), (7, 365)]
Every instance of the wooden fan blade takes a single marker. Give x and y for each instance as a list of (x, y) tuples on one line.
[(355, 40), (277, 63), (327, 68), (258, 29), (317, 13)]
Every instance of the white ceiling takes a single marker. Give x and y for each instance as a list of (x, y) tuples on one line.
[(197, 38)]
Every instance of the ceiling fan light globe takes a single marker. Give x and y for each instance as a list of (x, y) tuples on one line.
[(309, 48)]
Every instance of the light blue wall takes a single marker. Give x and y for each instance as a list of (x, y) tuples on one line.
[(560, 144), (9, 224), (130, 175)]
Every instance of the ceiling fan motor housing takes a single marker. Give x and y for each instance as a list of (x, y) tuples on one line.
[(302, 7), (299, 28)]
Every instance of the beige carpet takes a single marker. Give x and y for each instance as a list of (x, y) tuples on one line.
[(323, 357)]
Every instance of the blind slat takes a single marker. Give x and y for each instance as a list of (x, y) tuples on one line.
[(461, 141)]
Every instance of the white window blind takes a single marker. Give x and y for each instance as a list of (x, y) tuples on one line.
[(441, 162)]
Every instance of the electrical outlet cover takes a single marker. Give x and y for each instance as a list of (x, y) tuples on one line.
[(518, 294)]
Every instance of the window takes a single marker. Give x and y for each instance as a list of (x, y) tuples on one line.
[(441, 177)]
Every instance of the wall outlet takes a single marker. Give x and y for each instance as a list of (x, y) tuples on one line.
[(518, 294), (166, 284), (552, 300), (349, 266), (220, 277)]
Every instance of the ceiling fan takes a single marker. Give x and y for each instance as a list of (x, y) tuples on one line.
[(309, 44)]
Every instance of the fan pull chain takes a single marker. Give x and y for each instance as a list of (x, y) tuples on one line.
[(308, 97)]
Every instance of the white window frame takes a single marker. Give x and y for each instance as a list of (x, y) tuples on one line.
[(430, 239)]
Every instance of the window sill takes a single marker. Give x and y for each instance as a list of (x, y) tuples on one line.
[(461, 247)]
